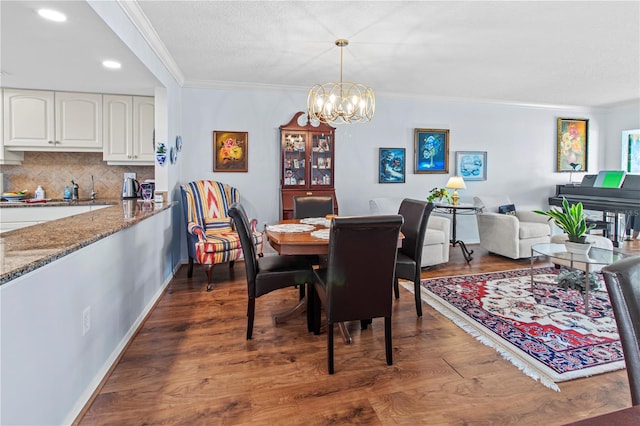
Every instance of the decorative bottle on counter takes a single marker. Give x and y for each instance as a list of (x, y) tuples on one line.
[(74, 191), (39, 193), (67, 192)]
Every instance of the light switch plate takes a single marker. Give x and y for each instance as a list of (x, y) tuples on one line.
[(130, 175)]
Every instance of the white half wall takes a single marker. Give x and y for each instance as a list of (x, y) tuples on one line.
[(49, 368)]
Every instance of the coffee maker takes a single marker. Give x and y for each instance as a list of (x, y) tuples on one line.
[(147, 188)]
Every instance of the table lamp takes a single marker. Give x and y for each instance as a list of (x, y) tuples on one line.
[(455, 183)]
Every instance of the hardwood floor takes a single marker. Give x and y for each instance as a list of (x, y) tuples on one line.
[(190, 364)]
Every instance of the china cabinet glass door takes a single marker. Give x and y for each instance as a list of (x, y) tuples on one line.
[(294, 161), (321, 160)]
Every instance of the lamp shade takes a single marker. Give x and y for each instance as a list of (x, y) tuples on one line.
[(455, 182)]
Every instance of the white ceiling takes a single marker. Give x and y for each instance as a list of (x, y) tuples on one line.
[(583, 53)]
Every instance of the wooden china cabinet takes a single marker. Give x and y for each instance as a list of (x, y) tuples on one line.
[(307, 166)]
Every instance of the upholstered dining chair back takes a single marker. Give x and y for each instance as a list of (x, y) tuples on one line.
[(312, 206), (358, 279), (267, 273), (622, 279), (416, 215)]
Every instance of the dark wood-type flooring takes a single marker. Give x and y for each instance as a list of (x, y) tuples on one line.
[(190, 364)]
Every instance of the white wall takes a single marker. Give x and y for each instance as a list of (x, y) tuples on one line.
[(619, 119), (520, 142)]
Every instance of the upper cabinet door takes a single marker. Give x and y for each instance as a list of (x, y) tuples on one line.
[(28, 118), (143, 127), (117, 128), (78, 121)]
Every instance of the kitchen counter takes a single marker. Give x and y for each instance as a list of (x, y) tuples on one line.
[(59, 202), (26, 249)]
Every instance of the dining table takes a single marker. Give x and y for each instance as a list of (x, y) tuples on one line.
[(304, 237)]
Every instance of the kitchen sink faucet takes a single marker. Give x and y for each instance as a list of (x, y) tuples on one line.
[(93, 193)]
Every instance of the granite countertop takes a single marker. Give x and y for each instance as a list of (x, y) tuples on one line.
[(26, 249)]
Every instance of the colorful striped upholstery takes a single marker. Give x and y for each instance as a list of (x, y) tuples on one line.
[(210, 236)]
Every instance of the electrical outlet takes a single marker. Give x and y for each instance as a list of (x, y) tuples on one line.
[(86, 320), (130, 175)]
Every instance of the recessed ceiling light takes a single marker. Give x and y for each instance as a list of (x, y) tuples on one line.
[(112, 64), (52, 15)]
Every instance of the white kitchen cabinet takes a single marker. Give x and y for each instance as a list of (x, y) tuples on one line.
[(20, 217), (128, 125), (7, 157), (36, 120)]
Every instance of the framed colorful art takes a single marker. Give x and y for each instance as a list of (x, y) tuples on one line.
[(230, 151), (431, 150), (631, 151), (392, 165), (471, 165), (573, 144)]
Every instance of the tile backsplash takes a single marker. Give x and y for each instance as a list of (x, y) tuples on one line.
[(54, 170)]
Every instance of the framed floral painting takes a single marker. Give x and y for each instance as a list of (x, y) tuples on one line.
[(431, 150), (573, 144), (392, 165), (230, 151)]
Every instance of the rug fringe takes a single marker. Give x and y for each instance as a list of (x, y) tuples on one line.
[(507, 355)]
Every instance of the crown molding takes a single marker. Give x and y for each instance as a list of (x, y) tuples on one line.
[(141, 22)]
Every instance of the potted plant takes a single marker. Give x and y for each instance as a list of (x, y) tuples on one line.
[(439, 195), (572, 220)]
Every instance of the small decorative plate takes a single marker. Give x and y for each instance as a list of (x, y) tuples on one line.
[(179, 143), (173, 155)]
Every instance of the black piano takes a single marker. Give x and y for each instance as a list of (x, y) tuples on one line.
[(610, 201)]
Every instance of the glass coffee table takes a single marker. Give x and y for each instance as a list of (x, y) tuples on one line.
[(595, 257)]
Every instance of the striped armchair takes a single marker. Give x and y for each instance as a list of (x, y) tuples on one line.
[(211, 238)]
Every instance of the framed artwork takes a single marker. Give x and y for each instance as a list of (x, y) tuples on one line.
[(631, 151), (431, 150), (392, 165), (471, 165), (573, 144), (230, 151)]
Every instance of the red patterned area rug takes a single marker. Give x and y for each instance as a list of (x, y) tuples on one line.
[(545, 333)]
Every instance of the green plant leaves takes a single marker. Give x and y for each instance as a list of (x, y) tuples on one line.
[(571, 219)]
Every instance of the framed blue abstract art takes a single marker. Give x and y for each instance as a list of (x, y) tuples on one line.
[(431, 150), (392, 165), (471, 165)]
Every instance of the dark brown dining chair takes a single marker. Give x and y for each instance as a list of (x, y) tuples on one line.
[(357, 282), (622, 279), (416, 215), (312, 206), (267, 273)]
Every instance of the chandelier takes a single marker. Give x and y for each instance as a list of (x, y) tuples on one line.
[(341, 103)]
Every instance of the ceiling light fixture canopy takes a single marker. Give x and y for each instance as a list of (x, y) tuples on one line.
[(341, 103)]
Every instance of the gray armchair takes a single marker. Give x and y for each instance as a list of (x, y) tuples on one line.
[(436, 239), (509, 235)]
